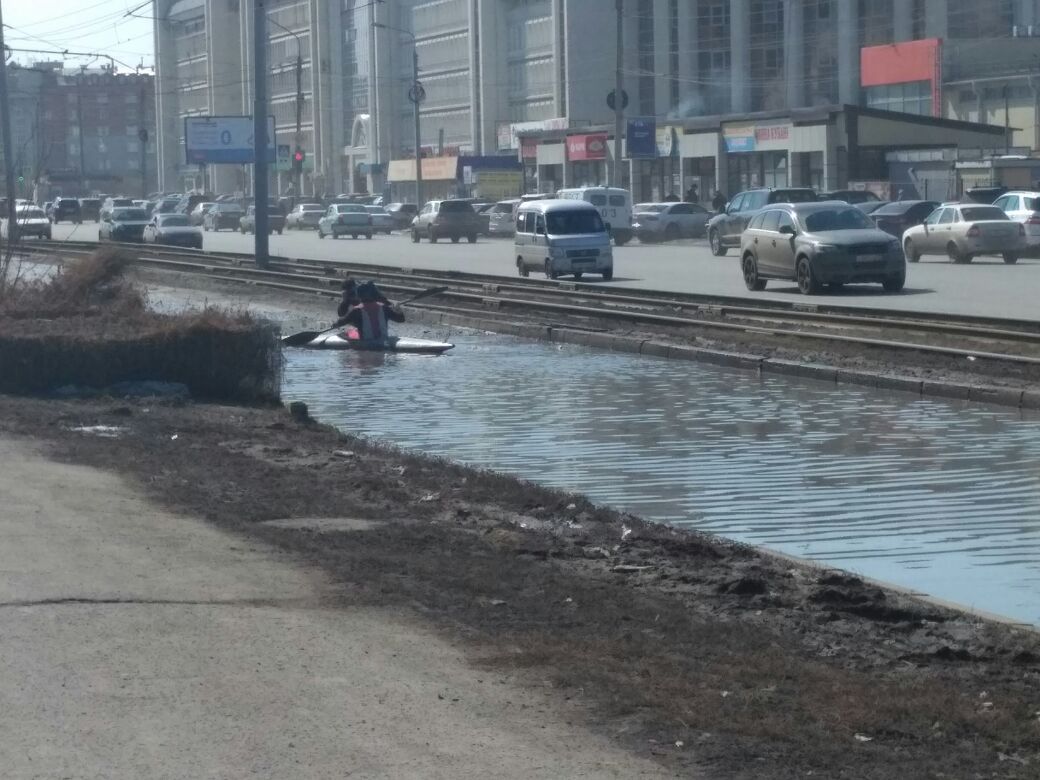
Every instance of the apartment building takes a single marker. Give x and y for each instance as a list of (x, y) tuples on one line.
[(493, 68)]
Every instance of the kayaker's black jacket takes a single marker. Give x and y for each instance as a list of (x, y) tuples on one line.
[(354, 317)]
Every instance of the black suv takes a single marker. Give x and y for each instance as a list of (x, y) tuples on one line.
[(65, 209), (90, 208), (724, 229)]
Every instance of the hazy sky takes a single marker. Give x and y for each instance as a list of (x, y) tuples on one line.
[(80, 25)]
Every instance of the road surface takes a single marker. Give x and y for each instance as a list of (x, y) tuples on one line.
[(987, 287)]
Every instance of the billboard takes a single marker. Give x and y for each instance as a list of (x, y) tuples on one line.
[(590, 146), (223, 139), (641, 138)]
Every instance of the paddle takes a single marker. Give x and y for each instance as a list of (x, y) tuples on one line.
[(307, 336)]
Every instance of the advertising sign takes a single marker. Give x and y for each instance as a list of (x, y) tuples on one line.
[(499, 185), (667, 142), (739, 138), (528, 148), (641, 138), (284, 157), (766, 133), (591, 146), (223, 139)]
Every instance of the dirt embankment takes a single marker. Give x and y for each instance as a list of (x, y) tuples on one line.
[(717, 660)]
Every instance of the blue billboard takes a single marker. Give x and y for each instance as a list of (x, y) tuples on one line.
[(641, 138)]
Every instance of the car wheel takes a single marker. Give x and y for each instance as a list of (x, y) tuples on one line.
[(608, 274), (368, 236), (955, 254), (577, 275), (910, 251), (415, 236), (671, 233), (455, 239), (205, 228), (432, 236), (472, 238), (242, 230), (549, 272), (354, 236), (621, 240), (279, 231), (521, 268), (321, 234), (1010, 258), (717, 248), (895, 284), (808, 284), (751, 278)]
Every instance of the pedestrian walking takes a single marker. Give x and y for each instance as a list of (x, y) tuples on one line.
[(718, 202), (692, 196)]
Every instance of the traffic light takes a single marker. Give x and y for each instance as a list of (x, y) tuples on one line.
[(298, 157)]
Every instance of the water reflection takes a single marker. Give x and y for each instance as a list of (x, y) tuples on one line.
[(935, 495)]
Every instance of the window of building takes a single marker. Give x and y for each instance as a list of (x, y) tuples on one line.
[(913, 97)]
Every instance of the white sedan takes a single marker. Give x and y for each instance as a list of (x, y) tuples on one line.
[(31, 221), (382, 220), (654, 222), (963, 230)]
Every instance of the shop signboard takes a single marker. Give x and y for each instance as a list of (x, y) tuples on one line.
[(589, 146), (767, 133), (667, 142), (528, 148), (508, 132), (739, 138), (641, 138), (499, 185)]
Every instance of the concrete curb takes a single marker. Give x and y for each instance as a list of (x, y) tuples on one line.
[(999, 396)]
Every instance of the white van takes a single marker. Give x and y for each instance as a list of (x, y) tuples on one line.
[(562, 237), (615, 207)]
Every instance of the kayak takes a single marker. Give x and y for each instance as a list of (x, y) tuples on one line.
[(349, 340)]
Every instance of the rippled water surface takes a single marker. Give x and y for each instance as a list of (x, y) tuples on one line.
[(934, 495)]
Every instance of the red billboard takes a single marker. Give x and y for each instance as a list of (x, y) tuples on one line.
[(591, 146), (901, 63)]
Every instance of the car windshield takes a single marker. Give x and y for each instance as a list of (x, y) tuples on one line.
[(122, 201), (793, 196), (311, 207), (375, 209), (227, 207), (566, 223), (655, 207), (346, 208), (976, 213), (175, 221), (836, 219), (129, 215), (30, 214)]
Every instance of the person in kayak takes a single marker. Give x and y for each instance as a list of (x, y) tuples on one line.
[(372, 314), (349, 298)]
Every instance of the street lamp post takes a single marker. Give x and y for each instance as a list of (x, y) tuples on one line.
[(297, 169), (416, 94)]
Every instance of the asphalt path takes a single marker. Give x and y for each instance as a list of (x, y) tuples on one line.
[(987, 287)]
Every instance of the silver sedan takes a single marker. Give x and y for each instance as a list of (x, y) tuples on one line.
[(963, 230), (653, 222)]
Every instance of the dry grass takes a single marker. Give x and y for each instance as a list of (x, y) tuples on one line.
[(89, 326)]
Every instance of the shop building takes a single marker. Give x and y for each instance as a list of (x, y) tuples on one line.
[(826, 148)]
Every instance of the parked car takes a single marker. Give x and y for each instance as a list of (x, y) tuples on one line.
[(402, 214), (343, 219), (199, 213), (65, 210), (123, 224), (853, 197), (382, 222), (725, 229), (898, 216), (446, 219), (561, 237), (220, 216), (90, 208), (669, 221), (29, 221), (173, 230), (115, 203), (483, 211), (615, 207), (275, 220), (501, 219), (304, 216), (964, 230), (814, 244), (1023, 207), (870, 206)]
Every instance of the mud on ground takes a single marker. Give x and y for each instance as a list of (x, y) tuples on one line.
[(717, 660)]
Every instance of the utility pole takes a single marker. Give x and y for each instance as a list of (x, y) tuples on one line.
[(79, 122), (260, 132), (297, 192), (619, 92), (142, 136), (416, 95), (5, 131)]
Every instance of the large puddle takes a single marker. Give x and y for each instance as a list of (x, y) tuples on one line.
[(937, 496)]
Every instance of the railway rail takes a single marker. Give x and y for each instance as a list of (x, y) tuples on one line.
[(978, 338)]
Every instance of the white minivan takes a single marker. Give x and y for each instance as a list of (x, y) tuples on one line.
[(615, 208), (562, 237)]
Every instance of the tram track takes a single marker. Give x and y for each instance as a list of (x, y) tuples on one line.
[(1008, 341)]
